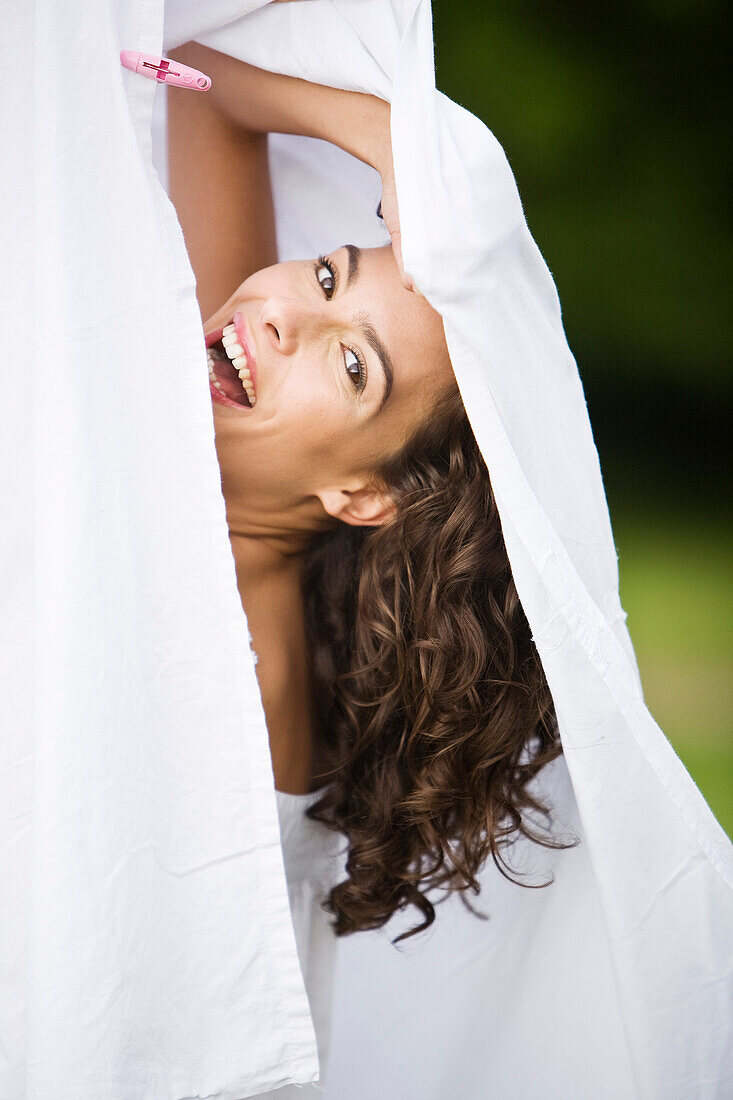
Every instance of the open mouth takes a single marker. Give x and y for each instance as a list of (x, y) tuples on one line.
[(229, 367)]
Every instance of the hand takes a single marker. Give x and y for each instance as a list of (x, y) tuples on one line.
[(258, 101), (390, 215), (388, 205)]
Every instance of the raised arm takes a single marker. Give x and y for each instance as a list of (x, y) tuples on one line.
[(219, 180)]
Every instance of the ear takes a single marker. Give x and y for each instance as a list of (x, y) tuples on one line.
[(359, 507)]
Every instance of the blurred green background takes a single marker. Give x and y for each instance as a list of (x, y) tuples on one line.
[(613, 119)]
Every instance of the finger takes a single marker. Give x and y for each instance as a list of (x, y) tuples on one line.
[(406, 280)]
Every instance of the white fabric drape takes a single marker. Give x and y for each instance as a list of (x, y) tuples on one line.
[(615, 981), (146, 943), (148, 951)]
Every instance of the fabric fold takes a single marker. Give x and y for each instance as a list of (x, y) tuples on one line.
[(148, 949), (654, 869)]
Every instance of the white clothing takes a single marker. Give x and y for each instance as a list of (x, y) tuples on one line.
[(627, 958), (146, 944), (148, 949), (313, 864)]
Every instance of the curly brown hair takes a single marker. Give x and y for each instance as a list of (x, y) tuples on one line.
[(432, 708)]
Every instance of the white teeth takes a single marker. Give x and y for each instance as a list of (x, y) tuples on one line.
[(236, 354), (212, 376), (246, 380)]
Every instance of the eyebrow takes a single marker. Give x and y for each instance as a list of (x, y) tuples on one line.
[(354, 257), (369, 332)]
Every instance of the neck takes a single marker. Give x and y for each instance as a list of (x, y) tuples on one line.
[(266, 558), (268, 540)]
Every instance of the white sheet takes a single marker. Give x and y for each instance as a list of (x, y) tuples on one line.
[(147, 951), (146, 945), (615, 981)]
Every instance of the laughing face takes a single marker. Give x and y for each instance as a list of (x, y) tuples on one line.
[(320, 369)]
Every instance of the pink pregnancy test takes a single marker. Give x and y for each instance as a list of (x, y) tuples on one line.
[(164, 70)]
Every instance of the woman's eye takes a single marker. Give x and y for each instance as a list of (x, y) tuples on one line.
[(326, 276), (355, 368)]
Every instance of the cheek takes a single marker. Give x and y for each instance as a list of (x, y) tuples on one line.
[(322, 436), (254, 288), (279, 279), (259, 287), (310, 396)]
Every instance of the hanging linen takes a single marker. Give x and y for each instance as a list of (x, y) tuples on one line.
[(614, 981), (147, 950)]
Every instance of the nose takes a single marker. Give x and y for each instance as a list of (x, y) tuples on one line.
[(288, 322)]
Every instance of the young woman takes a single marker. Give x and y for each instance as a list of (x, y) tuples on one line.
[(406, 706)]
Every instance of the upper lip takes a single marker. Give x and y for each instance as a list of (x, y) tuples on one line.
[(243, 336)]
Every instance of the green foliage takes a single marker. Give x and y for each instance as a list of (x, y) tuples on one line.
[(612, 118), (677, 589)]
